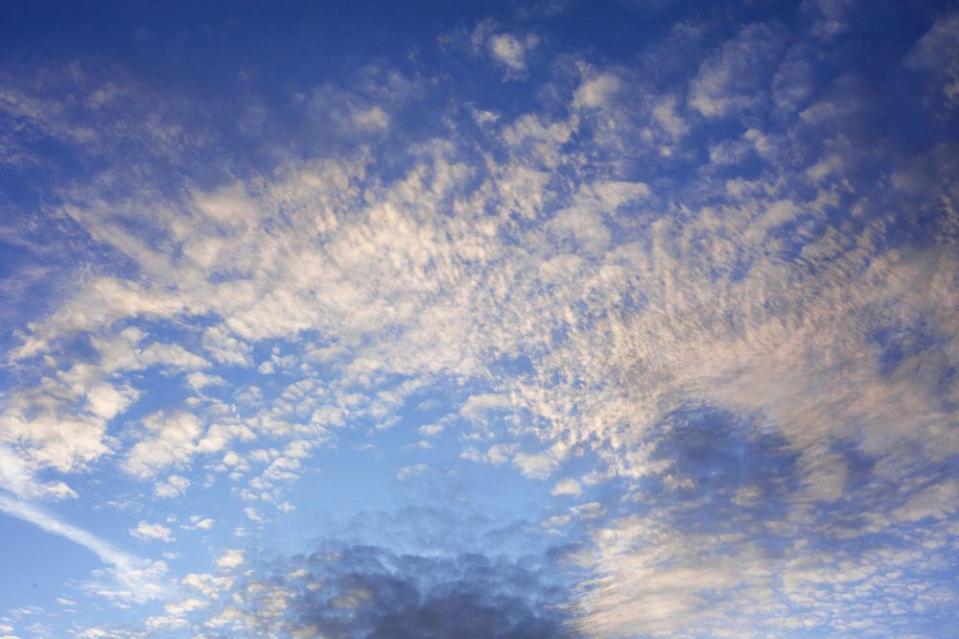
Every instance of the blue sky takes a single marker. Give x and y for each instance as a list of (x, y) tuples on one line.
[(547, 319)]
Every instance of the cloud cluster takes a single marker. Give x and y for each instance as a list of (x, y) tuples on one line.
[(366, 592)]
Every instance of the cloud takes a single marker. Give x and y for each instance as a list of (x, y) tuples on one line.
[(210, 585), (935, 53), (169, 440), (49, 523), (203, 523), (567, 487), (231, 559), (411, 471), (107, 401), (509, 50), (344, 114), (431, 430), (190, 604), (596, 92), (371, 119), (225, 347), (17, 475), (130, 578), (829, 16), (172, 486), (364, 591), (512, 51), (660, 587), (732, 79), (147, 532), (536, 465), (938, 500), (198, 381), (666, 113)]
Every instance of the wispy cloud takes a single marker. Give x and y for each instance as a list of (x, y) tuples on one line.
[(130, 578)]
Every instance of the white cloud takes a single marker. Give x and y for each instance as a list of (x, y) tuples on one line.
[(536, 465), (731, 80), (824, 167), (596, 92), (169, 440), (210, 585), (477, 407), (371, 119), (231, 559), (411, 471), (938, 501), (203, 523), (172, 486), (147, 532), (431, 430), (184, 606), (106, 401), (935, 53), (589, 510), (667, 115), (349, 113), (657, 582), (567, 487), (198, 381), (172, 355), (18, 476), (830, 15), (511, 50), (225, 347), (49, 437)]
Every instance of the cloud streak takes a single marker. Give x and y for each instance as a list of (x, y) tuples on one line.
[(130, 579)]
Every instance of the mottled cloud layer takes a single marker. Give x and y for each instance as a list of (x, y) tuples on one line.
[(366, 591), (705, 294)]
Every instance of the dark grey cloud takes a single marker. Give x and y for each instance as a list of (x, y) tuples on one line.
[(368, 592)]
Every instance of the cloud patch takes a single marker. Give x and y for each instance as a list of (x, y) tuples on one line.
[(366, 592)]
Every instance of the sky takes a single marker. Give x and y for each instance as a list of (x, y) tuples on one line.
[(548, 319)]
